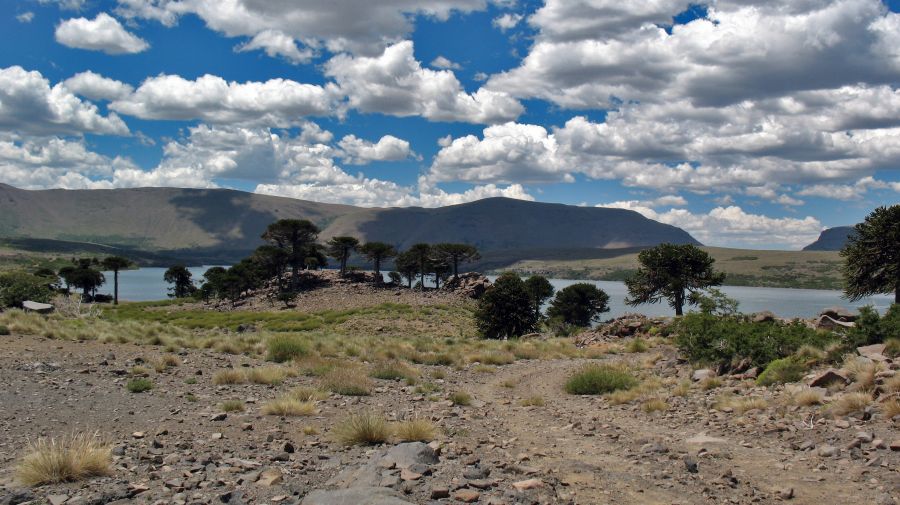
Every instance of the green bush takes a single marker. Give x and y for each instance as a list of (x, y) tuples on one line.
[(506, 310), (781, 371), (714, 340), (139, 385), (599, 379), (285, 348), (17, 287), (579, 304), (4, 330), (874, 329), (891, 346)]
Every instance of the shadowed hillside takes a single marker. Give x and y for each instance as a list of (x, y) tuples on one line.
[(832, 239), (223, 225)]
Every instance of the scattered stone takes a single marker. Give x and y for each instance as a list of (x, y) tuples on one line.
[(690, 464), (439, 492), (524, 485), (270, 477), (828, 377), (467, 495), (786, 493), (828, 451), (57, 499)]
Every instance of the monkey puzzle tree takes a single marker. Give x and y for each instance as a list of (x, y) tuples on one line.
[(295, 237), (340, 248), (376, 252), (180, 277), (84, 276), (539, 290), (407, 265), (672, 272), (454, 254), (505, 310), (272, 262), (422, 255), (579, 304), (872, 255), (114, 264)]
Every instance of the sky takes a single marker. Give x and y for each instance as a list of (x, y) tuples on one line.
[(748, 123)]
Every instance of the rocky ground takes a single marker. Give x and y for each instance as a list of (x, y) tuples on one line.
[(174, 444)]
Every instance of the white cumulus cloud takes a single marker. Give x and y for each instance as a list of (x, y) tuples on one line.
[(103, 33)]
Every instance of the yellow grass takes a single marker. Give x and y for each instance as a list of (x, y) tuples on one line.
[(851, 402), (655, 405), (806, 397), (66, 459), (232, 376), (890, 408), (365, 428), (271, 375), (415, 430), (287, 406)]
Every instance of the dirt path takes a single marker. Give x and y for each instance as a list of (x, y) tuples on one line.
[(612, 454)]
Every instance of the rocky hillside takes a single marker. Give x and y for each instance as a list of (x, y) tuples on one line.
[(223, 225), (832, 239)]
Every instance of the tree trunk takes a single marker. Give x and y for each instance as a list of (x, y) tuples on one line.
[(456, 268), (378, 278), (679, 305), (115, 287), (437, 281), (897, 294)]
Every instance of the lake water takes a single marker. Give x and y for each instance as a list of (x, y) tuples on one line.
[(147, 284)]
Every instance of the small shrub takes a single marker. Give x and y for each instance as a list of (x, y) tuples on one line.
[(309, 430), (232, 376), (461, 398), (139, 385), (287, 406), (599, 379), (623, 396), (484, 369), (366, 428), (271, 375), (682, 389), (890, 409), (508, 383), (232, 406), (781, 371), (66, 459), (862, 371), (171, 360), (710, 383), (283, 348), (190, 380), (348, 381), (140, 371), (892, 384), (891, 346), (493, 358), (4, 330), (415, 430), (744, 405), (810, 354)]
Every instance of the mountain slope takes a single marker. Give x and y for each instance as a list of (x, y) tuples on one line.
[(832, 239), (224, 225)]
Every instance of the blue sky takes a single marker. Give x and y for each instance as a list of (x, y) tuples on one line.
[(748, 123)]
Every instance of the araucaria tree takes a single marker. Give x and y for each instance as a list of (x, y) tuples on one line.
[(180, 278), (114, 264), (455, 254), (340, 248), (376, 252), (671, 272), (505, 310), (872, 255), (84, 276), (422, 255), (539, 290), (579, 304), (407, 265), (297, 237)]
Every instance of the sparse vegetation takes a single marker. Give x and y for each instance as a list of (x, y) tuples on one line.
[(269, 375), (461, 398), (415, 430), (232, 376), (286, 348), (533, 401), (65, 459), (348, 381), (288, 406), (806, 397), (232, 406), (849, 403), (781, 371)]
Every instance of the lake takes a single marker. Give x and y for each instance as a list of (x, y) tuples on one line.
[(147, 284)]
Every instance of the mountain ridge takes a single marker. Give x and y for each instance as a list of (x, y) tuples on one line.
[(831, 239), (225, 224)]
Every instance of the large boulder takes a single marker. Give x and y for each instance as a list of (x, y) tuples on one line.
[(470, 284)]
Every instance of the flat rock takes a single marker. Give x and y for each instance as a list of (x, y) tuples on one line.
[(827, 377), (703, 373), (270, 477), (524, 485), (703, 438), (409, 454), (467, 495), (354, 496), (874, 352)]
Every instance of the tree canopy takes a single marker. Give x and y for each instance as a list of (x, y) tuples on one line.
[(297, 237), (180, 278), (114, 264), (454, 254), (505, 310), (83, 276), (377, 252), (340, 249), (672, 272), (579, 304), (872, 255)]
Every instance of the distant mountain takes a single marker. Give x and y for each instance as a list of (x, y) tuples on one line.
[(218, 225), (832, 239)]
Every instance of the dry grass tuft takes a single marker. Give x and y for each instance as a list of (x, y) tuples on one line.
[(533, 401), (623, 396), (232, 406), (232, 376), (744, 405), (636, 345), (806, 397), (890, 408), (849, 403), (270, 375), (309, 430), (862, 372), (287, 406), (710, 383), (365, 428), (892, 384), (394, 370), (348, 381), (655, 405), (682, 389), (67, 459), (308, 394), (461, 398), (416, 430)]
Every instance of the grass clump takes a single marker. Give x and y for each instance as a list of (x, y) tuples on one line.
[(806, 397), (139, 385), (289, 407), (232, 376), (890, 409), (283, 348), (636, 345), (415, 430), (232, 406), (461, 398), (654, 405), (781, 371), (365, 428), (308, 394), (270, 375), (4, 330), (394, 370), (67, 459), (533, 401), (849, 403), (682, 389), (891, 346), (348, 381), (600, 379), (744, 405)]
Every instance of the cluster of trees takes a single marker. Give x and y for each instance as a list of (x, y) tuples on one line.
[(83, 274), (292, 246)]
